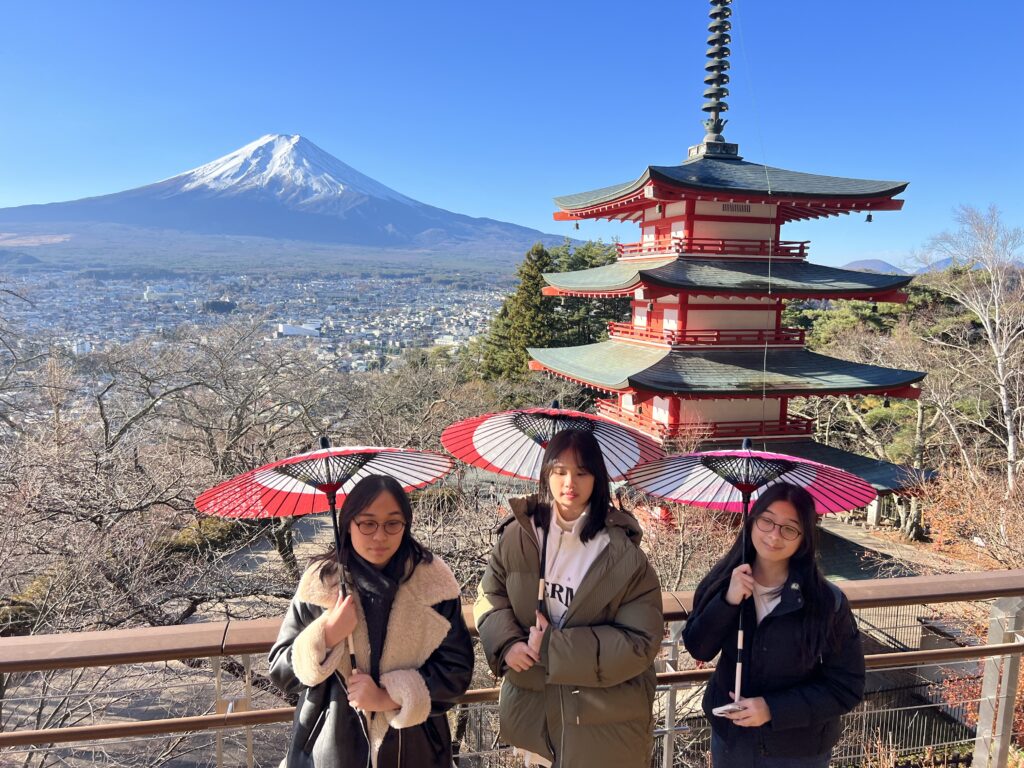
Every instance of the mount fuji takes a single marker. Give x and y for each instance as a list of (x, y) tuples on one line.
[(283, 188)]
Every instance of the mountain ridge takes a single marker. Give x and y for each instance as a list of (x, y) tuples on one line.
[(875, 265), (284, 187)]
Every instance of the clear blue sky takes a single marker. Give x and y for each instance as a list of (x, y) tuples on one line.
[(491, 109)]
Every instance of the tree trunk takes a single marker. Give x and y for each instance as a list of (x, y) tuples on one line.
[(1008, 422), (910, 522), (284, 540)]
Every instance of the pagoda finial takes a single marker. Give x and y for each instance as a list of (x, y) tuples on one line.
[(716, 79)]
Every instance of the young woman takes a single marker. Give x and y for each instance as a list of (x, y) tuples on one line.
[(578, 677), (802, 661), (413, 653)]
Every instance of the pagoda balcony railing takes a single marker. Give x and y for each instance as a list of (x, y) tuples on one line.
[(789, 337), (715, 246), (220, 704), (790, 426)]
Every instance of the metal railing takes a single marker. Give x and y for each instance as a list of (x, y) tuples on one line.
[(240, 716)]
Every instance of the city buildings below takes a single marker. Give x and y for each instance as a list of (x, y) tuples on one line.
[(355, 323)]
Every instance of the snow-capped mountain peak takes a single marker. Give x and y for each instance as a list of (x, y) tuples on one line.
[(284, 188), (293, 169)]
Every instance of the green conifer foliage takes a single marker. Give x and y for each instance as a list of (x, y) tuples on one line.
[(523, 321), (530, 319)]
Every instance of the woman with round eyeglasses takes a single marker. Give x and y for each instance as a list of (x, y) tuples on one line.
[(413, 653), (803, 666)]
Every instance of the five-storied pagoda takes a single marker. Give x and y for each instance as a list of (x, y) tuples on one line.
[(705, 354)]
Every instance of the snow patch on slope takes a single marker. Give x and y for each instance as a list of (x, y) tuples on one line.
[(293, 169)]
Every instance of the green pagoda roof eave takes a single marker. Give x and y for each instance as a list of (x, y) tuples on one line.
[(738, 177), (883, 476), (732, 276), (615, 365), (607, 366), (618, 276)]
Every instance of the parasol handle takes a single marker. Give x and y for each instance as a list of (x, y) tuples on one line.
[(332, 503), (739, 661), (743, 551), (342, 584), (542, 583)]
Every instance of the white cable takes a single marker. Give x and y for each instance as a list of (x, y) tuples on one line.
[(771, 237)]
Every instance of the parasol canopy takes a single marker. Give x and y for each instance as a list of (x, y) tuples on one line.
[(314, 482), (730, 480), (512, 443)]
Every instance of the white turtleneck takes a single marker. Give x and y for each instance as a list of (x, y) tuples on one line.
[(568, 560)]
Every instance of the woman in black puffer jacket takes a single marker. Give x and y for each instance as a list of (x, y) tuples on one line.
[(803, 666)]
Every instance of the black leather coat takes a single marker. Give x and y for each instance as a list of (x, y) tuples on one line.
[(327, 732), (806, 699)]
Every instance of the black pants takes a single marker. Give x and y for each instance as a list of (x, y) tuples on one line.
[(745, 752)]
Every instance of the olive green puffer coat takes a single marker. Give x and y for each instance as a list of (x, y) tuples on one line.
[(588, 701)]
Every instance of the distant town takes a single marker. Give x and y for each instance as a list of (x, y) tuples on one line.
[(356, 322)]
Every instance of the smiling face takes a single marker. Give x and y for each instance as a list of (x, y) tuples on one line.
[(773, 545), (378, 547), (570, 485)]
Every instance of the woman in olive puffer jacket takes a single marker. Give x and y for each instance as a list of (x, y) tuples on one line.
[(579, 681)]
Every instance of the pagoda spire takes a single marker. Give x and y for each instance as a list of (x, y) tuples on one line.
[(716, 80)]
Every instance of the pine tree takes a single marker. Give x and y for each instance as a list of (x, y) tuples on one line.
[(529, 319), (585, 321), (525, 320)]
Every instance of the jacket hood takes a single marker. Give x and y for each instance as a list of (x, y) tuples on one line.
[(524, 507)]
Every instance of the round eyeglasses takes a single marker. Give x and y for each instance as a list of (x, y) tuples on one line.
[(788, 532), (369, 527)]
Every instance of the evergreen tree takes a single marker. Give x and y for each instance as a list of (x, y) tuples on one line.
[(525, 320), (529, 319), (585, 321)]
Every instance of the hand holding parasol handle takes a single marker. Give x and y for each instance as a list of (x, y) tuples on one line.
[(332, 502), (739, 631)]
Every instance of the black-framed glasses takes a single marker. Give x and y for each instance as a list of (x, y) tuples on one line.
[(788, 532), (369, 527)]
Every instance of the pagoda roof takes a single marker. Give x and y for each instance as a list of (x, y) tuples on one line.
[(614, 365), (734, 277), (619, 276), (736, 177), (884, 476)]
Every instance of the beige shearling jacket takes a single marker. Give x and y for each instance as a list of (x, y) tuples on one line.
[(426, 662)]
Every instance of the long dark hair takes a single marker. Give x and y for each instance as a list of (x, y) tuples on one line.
[(818, 631), (588, 455), (362, 495)]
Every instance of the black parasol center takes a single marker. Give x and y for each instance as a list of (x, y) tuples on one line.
[(541, 427), (325, 473), (747, 473)]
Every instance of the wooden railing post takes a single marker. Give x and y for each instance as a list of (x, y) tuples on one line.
[(999, 686)]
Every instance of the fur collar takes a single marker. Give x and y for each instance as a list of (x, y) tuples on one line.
[(429, 584), (415, 629)]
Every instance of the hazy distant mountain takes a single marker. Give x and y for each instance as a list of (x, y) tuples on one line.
[(9, 258), (875, 265), (283, 187), (938, 266), (946, 263)]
